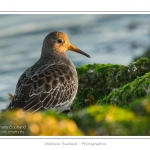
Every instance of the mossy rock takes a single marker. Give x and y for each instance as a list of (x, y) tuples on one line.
[(123, 96), (99, 80), (18, 123), (111, 120)]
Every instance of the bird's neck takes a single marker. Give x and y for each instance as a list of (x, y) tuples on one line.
[(50, 55)]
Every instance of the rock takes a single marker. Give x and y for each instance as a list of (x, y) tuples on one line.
[(100, 80)]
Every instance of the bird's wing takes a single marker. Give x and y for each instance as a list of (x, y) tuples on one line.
[(52, 87)]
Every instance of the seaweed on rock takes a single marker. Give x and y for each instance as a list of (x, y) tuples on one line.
[(140, 87), (99, 80), (111, 120)]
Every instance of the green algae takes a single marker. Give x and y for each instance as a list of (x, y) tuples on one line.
[(111, 120), (123, 96), (95, 80), (100, 80)]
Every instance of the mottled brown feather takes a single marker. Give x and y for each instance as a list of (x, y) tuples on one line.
[(52, 81)]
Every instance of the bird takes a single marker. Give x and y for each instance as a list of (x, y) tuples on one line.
[(52, 82)]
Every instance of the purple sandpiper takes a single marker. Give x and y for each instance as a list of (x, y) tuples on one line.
[(52, 82)]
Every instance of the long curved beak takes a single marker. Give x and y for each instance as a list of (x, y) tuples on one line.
[(75, 49)]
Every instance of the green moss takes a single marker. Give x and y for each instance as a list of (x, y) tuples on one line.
[(99, 80), (123, 96), (111, 120), (95, 80), (83, 69)]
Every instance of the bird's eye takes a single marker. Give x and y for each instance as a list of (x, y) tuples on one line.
[(59, 41)]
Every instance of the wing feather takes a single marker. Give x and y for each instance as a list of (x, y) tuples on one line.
[(50, 88)]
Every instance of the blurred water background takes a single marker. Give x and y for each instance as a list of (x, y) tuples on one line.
[(111, 38)]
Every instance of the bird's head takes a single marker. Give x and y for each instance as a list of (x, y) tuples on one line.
[(58, 42)]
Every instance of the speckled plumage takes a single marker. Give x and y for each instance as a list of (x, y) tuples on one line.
[(51, 83)]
